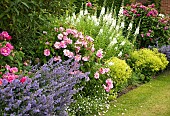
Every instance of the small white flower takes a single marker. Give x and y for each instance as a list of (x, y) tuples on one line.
[(81, 13), (130, 26), (123, 43), (120, 53), (110, 63), (102, 11), (161, 15), (101, 31), (85, 12), (137, 31), (117, 27), (122, 24), (121, 11)]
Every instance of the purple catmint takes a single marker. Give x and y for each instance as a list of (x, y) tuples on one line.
[(49, 92)]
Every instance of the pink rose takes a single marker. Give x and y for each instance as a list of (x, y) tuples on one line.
[(96, 75), (99, 53), (106, 70), (7, 67), (71, 54), (5, 35), (13, 70), (102, 71), (61, 29), (23, 79), (89, 4), (68, 31), (77, 58), (5, 51), (9, 46), (92, 49), (106, 88), (57, 45), (89, 38), (63, 44), (10, 77), (148, 34), (46, 52), (60, 36), (85, 58), (57, 58), (109, 83), (0, 81), (68, 41)]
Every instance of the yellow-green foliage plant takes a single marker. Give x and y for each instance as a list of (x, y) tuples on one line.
[(119, 72), (147, 62)]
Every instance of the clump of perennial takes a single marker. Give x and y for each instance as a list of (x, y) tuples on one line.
[(49, 92)]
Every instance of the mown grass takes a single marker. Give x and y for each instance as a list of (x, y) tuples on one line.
[(151, 99)]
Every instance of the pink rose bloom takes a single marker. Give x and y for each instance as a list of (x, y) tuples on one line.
[(93, 49), (85, 58), (60, 36), (10, 77), (63, 44), (142, 35), (148, 34), (77, 48), (66, 52), (84, 43), (96, 75), (106, 70), (57, 45), (7, 67), (46, 52), (57, 58), (61, 29), (89, 38), (109, 83), (68, 31), (47, 43), (89, 4), (65, 38), (5, 35), (77, 58), (68, 41), (106, 88), (71, 54), (23, 79), (13, 70), (5, 51), (65, 33), (9, 46), (102, 71), (150, 31), (99, 53)]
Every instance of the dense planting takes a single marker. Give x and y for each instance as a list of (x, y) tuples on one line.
[(85, 58)]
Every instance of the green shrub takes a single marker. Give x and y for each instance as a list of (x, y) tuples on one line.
[(120, 72), (147, 62)]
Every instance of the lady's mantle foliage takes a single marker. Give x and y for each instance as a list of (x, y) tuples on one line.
[(49, 92)]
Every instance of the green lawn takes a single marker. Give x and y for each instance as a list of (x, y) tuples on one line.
[(151, 99)]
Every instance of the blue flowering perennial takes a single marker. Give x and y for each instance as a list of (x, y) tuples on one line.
[(49, 92)]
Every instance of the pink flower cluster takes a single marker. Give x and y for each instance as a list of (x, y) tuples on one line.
[(89, 4), (11, 75), (109, 85), (136, 9), (6, 50), (5, 36), (71, 39), (101, 71)]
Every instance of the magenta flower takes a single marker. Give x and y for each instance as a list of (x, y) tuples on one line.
[(99, 53), (102, 71), (46, 52), (107, 89), (7, 67), (89, 4), (5, 51), (23, 79), (148, 34), (9, 46), (96, 75), (6, 35), (13, 70)]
